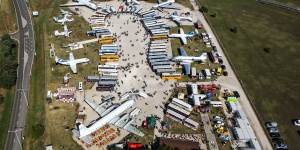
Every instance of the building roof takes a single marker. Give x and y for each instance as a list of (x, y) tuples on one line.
[(181, 144)]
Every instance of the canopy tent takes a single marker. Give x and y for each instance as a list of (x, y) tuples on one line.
[(231, 99)]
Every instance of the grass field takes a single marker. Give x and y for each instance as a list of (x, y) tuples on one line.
[(7, 17), (190, 49), (145, 140), (5, 113), (270, 79)]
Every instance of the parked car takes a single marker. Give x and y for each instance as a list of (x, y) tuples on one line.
[(215, 48), (271, 124), (274, 134), (277, 140), (297, 122), (273, 130), (236, 94), (280, 146), (225, 73), (220, 61)]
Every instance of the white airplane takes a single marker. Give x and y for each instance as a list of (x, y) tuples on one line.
[(133, 2), (109, 115), (187, 60), (86, 3), (63, 20), (66, 32), (183, 36), (165, 5), (177, 18), (71, 62), (64, 12)]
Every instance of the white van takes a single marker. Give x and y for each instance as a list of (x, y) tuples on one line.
[(80, 89), (215, 103), (207, 73)]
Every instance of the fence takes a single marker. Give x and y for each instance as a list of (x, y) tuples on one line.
[(278, 4)]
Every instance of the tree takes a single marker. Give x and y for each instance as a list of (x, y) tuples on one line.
[(214, 14), (37, 130), (267, 49), (203, 9), (234, 29)]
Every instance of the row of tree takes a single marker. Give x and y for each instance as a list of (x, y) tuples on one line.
[(8, 62)]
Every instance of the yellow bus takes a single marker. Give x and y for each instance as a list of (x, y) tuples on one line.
[(160, 37), (105, 41), (219, 71), (110, 58), (171, 76), (97, 25)]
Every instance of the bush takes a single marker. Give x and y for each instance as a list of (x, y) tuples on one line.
[(214, 14), (267, 49), (203, 9), (234, 29), (1, 99), (37, 131)]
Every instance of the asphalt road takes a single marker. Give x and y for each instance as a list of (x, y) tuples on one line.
[(25, 36)]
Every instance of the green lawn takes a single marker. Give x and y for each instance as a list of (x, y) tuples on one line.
[(8, 17), (270, 79), (193, 48), (5, 113), (145, 140)]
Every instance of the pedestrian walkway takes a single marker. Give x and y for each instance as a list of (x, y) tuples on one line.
[(208, 131)]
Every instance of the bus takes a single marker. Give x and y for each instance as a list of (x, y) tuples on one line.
[(158, 60), (156, 50), (107, 67), (160, 63), (106, 41), (160, 71), (104, 58), (157, 57), (182, 104), (158, 47), (108, 78), (108, 70), (158, 53), (162, 67), (171, 76)]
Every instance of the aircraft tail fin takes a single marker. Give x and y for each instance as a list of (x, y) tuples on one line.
[(55, 19), (56, 59), (81, 129), (203, 55)]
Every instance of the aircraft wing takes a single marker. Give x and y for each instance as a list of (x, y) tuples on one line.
[(170, 7), (132, 129), (181, 31), (183, 39), (177, 21), (125, 123), (187, 67), (85, 138), (182, 51), (73, 67), (71, 57), (74, 4), (98, 108)]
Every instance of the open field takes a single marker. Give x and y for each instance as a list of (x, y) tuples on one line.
[(5, 113), (7, 17), (190, 47), (148, 138), (270, 79)]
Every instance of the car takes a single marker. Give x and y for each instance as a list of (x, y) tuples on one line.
[(277, 140), (236, 94), (274, 134), (297, 122), (215, 48), (225, 73), (280, 146), (271, 124), (220, 61), (273, 130)]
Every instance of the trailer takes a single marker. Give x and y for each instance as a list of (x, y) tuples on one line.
[(157, 53), (160, 63), (158, 60), (149, 15), (208, 87)]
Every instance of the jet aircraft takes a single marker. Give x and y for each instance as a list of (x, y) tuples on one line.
[(64, 12), (66, 32), (177, 18), (86, 3), (186, 60), (165, 5), (63, 20), (183, 36), (71, 62)]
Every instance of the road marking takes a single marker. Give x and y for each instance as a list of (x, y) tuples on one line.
[(17, 122), (18, 114), (14, 140), (20, 106)]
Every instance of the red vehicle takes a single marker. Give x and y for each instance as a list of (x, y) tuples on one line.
[(208, 87), (134, 145), (199, 24)]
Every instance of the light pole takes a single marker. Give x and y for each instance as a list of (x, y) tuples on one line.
[(22, 90), (15, 131)]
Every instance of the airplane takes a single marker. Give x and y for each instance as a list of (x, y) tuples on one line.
[(63, 20), (133, 2), (66, 32), (183, 36), (109, 115), (165, 5), (86, 3), (64, 12), (187, 60), (177, 18), (71, 62)]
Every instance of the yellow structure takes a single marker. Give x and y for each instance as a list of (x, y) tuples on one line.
[(111, 58), (160, 37), (97, 25), (105, 41), (171, 76), (219, 71)]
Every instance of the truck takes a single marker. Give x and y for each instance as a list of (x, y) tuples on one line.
[(219, 71)]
